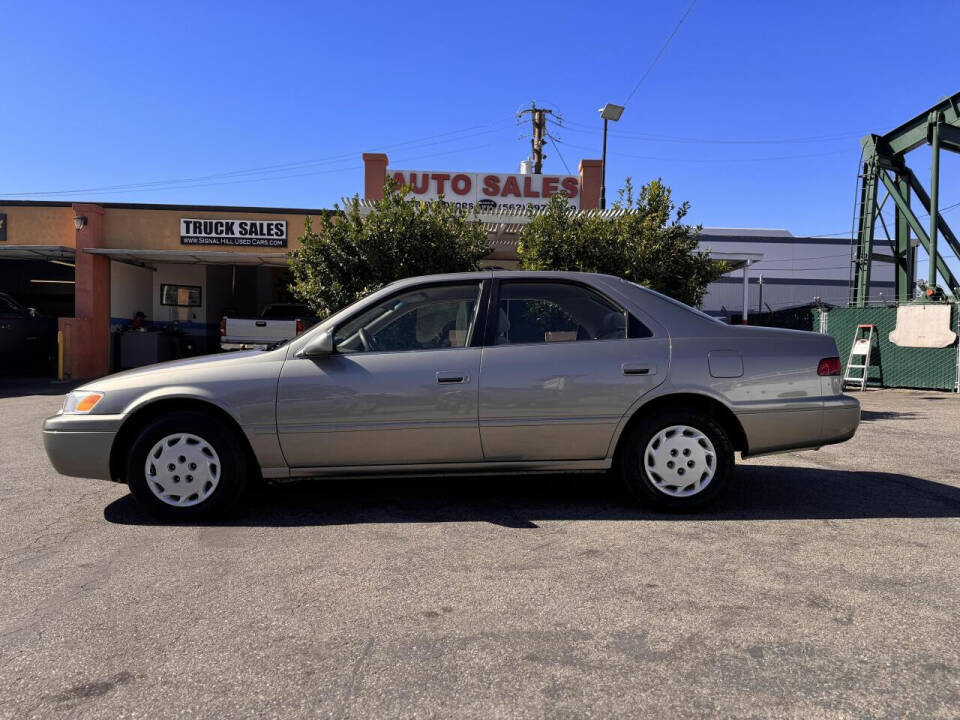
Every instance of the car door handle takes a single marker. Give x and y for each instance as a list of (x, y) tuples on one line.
[(261, 323), (448, 377), (639, 369)]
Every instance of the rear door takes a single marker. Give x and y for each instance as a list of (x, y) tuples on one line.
[(561, 365)]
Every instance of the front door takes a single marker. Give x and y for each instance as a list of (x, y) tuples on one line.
[(401, 387), (561, 368)]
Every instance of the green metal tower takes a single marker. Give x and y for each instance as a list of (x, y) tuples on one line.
[(884, 164)]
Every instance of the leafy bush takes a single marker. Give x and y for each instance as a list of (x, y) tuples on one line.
[(642, 245), (348, 256)]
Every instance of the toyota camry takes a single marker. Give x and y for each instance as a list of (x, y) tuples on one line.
[(466, 374)]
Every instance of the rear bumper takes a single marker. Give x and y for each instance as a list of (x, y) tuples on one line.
[(833, 420), (79, 451), (841, 417)]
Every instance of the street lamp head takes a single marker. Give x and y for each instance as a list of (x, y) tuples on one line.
[(611, 112)]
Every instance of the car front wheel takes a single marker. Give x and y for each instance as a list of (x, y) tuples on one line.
[(677, 461), (186, 466)]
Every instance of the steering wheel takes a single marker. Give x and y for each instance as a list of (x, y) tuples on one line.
[(365, 340)]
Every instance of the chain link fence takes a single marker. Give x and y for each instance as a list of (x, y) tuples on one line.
[(893, 366)]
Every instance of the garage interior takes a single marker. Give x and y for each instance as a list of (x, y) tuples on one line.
[(41, 281), (183, 296)]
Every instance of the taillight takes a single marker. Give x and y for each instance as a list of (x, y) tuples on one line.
[(299, 326), (829, 366), (223, 327)]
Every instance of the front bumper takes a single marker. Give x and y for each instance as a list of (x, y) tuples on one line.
[(80, 445)]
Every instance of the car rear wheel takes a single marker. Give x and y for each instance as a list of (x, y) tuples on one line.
[(186, 466), (676, 461)]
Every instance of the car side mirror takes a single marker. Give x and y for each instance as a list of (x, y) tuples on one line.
[(319, 346), (32, 312)]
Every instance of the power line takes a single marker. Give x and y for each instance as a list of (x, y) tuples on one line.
[(655, 137), (721, 160), (349, 168), (556, 145), (848, 233), (267, 170), (659, 55)]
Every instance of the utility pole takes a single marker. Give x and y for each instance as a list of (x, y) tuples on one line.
[(538, 116)]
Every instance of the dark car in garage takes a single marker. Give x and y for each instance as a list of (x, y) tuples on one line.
[(27, 338)]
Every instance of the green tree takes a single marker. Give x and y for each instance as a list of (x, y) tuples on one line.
[(648, 244), (347, 256)]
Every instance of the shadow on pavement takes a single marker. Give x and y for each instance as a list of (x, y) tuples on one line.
[(758, 493), (871, 415)]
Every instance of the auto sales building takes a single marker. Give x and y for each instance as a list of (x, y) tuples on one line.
[(94, 266)]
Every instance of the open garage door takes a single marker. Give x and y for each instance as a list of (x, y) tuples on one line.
[(36, 288)]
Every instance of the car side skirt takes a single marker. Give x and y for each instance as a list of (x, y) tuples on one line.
[(426, 469)]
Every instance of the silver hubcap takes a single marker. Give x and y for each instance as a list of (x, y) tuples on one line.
[(680, 461), (182, 470)]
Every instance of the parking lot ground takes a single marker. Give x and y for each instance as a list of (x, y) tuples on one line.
[(826, 584)]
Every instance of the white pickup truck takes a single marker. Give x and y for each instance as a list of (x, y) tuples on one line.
[(278, 322)]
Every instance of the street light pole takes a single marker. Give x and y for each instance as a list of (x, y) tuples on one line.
[(607, 112), (603, 169)]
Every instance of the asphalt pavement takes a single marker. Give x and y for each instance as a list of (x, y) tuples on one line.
[(824, 585)]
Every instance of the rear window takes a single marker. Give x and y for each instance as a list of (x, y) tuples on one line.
[(688, 308), (550, 312)]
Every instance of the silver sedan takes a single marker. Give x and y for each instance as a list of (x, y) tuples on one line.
[(485, 372)]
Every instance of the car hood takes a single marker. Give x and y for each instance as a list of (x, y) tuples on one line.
[(180, 371)]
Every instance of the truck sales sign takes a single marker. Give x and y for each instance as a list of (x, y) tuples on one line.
[(243, 233), (488, 191)]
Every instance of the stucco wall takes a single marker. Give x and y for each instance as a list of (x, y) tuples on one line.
[(160, 229), (43, 225)]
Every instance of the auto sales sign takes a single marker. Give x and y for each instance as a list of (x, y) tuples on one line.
[(488, 191), (242, 233)]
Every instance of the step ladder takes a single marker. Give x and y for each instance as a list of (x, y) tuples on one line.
[(862, 347)]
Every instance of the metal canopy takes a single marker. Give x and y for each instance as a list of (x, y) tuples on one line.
[(735, 260), (37, 252), (190, 257)]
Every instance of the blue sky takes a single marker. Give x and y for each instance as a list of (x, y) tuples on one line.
[(753, 114)]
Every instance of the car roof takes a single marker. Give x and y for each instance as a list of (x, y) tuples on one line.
[(509, 274)]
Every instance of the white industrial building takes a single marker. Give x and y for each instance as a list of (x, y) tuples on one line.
[(783, 271)]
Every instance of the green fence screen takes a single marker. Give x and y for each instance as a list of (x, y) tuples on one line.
[(891, 365)]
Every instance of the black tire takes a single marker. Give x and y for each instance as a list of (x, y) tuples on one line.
[(636, 473), (234, 472)]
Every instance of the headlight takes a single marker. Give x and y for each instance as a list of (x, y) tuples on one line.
[(80, 402)]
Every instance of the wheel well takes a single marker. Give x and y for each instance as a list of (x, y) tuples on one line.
[(139, 419), (691, 401)]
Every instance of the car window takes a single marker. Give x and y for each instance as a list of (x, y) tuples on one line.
[(439, 316), (677, 303), (560, 312)]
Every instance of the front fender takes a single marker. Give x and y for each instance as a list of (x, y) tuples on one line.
[(256, 419)]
